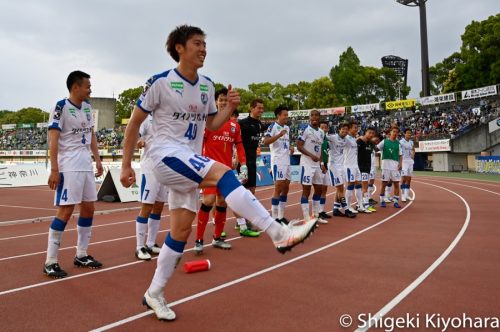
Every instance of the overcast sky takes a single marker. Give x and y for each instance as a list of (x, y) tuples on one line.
[(121, 43)]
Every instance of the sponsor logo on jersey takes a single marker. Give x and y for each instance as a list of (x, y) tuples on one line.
[(72, 111), (203, 88), (177, 85)]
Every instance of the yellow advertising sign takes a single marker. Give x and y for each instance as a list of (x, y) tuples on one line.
[(125, 121), (392, 105)]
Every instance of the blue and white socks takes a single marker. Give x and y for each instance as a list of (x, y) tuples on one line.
[(169, 257), (153, 227), (84, 228), (282, 204), (141, 226), (54, 240)]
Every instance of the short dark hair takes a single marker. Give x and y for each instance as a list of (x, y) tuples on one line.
[(180, 35), (235, 113), (324, 122), (221, 91), (394, 127), (371, 128), (407, 129), (352, 123), (256, 101), (280, 109), (343, 124), (75, 77), (314, 111)]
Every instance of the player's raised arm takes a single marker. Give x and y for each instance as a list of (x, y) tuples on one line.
[(127, 176), (216, 121)]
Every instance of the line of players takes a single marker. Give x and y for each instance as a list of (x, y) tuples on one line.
[(343, 160)]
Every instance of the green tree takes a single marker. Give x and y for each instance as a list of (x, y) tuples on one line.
[(321, 94), (24, 115), (476, 64), (126, 102), (347, 77), (439, 73)]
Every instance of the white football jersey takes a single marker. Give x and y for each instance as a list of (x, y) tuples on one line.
[(312, 138), (280, 149), (374, 159), (336, 153), (180, 109), (146, 133), (75, 124), (350, 152), (406, 149)]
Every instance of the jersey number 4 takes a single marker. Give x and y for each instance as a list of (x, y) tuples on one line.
[(198, 162), (191, 131)]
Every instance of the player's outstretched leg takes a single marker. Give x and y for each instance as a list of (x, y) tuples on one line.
[(242, 201)]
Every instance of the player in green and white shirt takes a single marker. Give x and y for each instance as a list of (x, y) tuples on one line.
[(391, 165), (278, 139)]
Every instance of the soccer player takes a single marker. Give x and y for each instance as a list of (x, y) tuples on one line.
[(391, 165), (309, 144), (218, 145), (373, 172), (278, 139), (153, 198), (408, 151), (337, 144), (366, 149), (71, 143), (323, 125), (251, 130), (182, 102), (351, 169)]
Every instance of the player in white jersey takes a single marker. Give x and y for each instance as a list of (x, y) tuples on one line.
[(278, 139), (71, 143), (408, 151), (337, 144), (153, 196), (182, 103), (309, 144), (323, 125), (351, 168)]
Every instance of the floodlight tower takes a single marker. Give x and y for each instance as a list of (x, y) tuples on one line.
[(424, 50)]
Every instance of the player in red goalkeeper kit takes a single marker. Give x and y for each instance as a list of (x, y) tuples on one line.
[(219, 145)]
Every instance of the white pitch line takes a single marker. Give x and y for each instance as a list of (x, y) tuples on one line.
[(100, 270), (104, 225), (490, 182), (464, 185), (401, 296), (255, 274), (28, 207)]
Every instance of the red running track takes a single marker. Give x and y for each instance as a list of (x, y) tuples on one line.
[(348, 267)]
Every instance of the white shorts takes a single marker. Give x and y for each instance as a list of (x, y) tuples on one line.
[(281, 172), (352, 174), (336, 175), (407, 168), (365, 177), (326, 178), (75, 187), (182, 171), (311, 175), (390, 175), (151, 190), (373, 172)]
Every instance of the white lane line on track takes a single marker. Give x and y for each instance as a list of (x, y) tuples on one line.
[(464, 185), (98, 212), (28, 207), (487, 182), (396, 300), (105, 225), (103, 269)]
